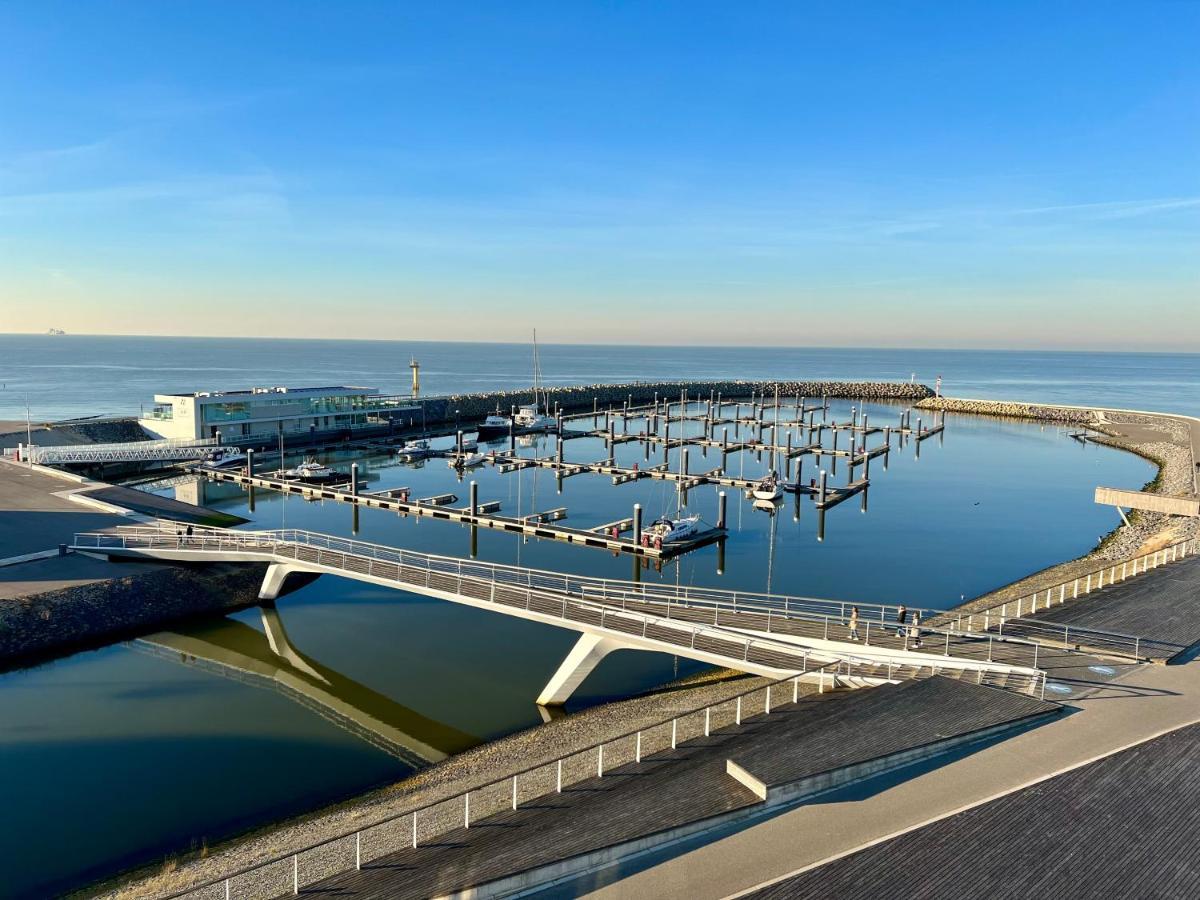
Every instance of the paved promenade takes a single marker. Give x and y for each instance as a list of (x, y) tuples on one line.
[(1124, 826)]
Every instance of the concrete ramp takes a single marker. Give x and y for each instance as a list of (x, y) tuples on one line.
[(865, 733), (1171, 504)]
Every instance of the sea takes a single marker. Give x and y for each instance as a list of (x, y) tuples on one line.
[(66, 376)]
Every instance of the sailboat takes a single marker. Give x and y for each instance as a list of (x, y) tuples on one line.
[(529, 418), (665, 531), (768, 488)]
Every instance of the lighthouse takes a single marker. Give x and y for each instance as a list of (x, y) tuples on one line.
[(416, 370)]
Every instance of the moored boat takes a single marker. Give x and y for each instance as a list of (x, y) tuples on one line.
[(466, 460), (768, 488), (666, 531), (310, 470), (224, 458)]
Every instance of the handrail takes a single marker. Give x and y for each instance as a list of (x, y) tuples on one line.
[(583, 594), (879, 611), (765, 650)]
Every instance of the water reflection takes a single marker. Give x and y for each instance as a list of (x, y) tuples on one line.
[(232, 649)]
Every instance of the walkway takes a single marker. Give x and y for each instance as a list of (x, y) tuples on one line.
[(1123, 826), (1163, 605), (1147, 701)]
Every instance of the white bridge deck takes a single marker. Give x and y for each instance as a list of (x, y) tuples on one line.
[(767, 635)]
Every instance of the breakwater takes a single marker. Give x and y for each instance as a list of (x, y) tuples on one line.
[(55, 622), (582, 397), (1010, 410)]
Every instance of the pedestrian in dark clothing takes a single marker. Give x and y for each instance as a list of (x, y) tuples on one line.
[(901, 615)]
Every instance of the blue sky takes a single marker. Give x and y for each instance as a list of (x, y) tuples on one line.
[(971, 174)]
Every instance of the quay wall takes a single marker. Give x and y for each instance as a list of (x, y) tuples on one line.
[(64, 620)]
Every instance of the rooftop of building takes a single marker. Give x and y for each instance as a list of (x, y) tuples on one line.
[(266, 391)]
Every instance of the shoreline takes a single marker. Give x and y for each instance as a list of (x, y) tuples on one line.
[(1165, 440)]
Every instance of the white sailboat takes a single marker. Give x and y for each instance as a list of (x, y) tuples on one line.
[(769, 488), (666, 531)]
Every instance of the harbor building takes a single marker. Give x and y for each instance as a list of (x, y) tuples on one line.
[(271, 410)]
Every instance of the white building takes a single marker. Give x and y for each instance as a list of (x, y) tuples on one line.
[(269, 410)]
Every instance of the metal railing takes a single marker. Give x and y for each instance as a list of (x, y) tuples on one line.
[(604, 603), (132, 451), (412, 828), (997, 616), (423, 572)]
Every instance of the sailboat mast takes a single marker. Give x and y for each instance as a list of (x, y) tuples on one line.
[(537, 376)]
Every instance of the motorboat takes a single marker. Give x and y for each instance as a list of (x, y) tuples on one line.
[(493, 427), (466, 460), (223, 458), (666, 531), (768, 488), (412, 451), (311, 470)]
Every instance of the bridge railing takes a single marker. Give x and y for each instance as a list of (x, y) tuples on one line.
[(875, 612), (682, 623), (131, 451), (716, 642), (412, 828)]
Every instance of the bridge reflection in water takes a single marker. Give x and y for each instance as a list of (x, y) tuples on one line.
[(267, 658)]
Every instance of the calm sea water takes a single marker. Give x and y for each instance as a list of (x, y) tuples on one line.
[(191, 735), (70, 375)]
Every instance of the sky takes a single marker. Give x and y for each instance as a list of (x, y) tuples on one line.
[(968, 174)]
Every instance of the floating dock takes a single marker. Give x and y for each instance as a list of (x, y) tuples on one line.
[(532, 525)]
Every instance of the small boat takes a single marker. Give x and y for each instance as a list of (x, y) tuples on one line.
[(493, 427), (665, 531), (223, 458), (466, 460), (528, 419), (412, 451), (311, 470), (767, 488)]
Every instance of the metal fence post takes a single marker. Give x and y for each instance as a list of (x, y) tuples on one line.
[(295, 873)]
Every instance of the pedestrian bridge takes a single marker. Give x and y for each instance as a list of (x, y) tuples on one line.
[(763, 634), (133, 451)]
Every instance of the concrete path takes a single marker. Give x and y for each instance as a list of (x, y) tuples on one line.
[(33, 515), (1146, 702)]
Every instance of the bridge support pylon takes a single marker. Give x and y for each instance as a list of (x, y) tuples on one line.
[(583, 658), (277, 574)]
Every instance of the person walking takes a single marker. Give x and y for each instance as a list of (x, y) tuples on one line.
[(854, 623), (901, 616), (914, 630), (188, 532)]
